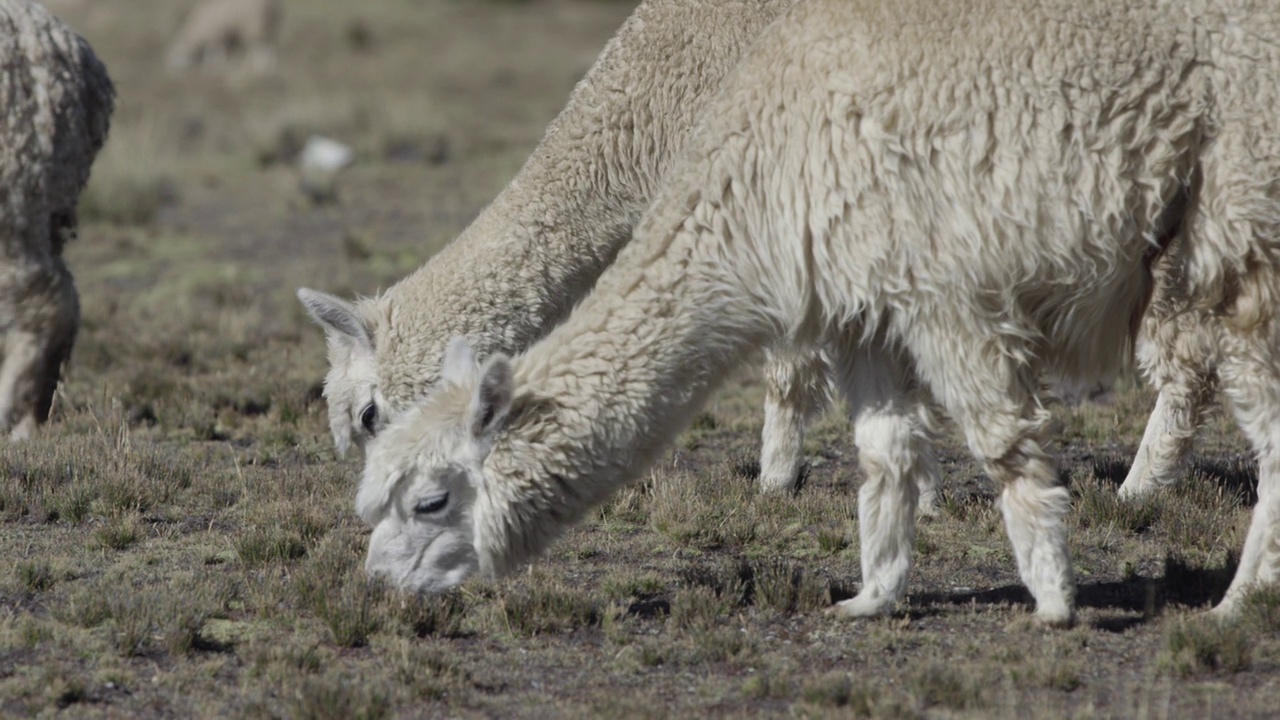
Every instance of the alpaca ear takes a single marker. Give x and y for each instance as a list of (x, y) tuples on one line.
[(339, 318), (459, 362), (492, 399)]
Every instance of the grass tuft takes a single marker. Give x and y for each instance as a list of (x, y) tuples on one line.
[(119, 532), (429, 615), (281, 539), (338, 696), (1203, 645), (1096, 504), (34, 576), (352, 609), (545, 606), (950, 685), (838, 690), (786, 588)]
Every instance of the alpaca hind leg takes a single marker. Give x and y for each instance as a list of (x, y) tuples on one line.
[(1251, 382), (893, 453), (992, 398), (795, 389)]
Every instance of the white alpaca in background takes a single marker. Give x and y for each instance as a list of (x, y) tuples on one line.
[(213, 32), (57, 102), (970, 212)]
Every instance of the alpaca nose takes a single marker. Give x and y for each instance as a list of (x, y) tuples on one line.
[(376, 563)]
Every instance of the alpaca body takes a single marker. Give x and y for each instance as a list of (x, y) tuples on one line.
[(57, 102), (957, 198)]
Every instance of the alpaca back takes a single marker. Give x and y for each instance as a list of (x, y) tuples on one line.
[(57, 102), (925, 175)]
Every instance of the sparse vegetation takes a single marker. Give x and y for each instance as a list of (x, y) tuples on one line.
[(1205, 645), (181, 538)]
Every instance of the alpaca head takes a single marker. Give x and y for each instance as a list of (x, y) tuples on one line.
[(424, 487), (357, 409)]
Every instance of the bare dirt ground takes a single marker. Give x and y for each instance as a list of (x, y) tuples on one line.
[(180, 541)]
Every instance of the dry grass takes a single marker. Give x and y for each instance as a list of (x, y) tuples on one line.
[(181, 538)]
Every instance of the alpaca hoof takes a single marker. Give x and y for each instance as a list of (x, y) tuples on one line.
[(927, 507), (780, 477), (862, 605), (1060, 616), (772, 483), (1130, 491), (1228, 609), (24, 430)]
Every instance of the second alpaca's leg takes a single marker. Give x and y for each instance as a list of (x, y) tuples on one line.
[(1252, 384), (796, 388), (896, 459), (1173, 354)]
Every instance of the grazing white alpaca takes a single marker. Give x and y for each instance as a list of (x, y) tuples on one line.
[(542, 243), (965, 195), (215, 31), (56, 100)]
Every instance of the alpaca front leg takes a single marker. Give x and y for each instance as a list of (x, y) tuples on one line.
[(893, 454), (1176, 353), (886, 511), (1034, 504), (795, 389), (1167, 438), (44, 311), (1260, 559), (17, 383), (928, 480), (1253, 387)]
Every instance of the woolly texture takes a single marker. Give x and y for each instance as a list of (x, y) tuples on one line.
[(539, 247), (960, 196), (57, 102)]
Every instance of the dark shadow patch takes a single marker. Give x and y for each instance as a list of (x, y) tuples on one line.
[(746, 469), (1118, 624), (649, 609), (1236, 474), (1185, 584), (1112, 468), (1002, 595), (1182, 584), (802, 478)]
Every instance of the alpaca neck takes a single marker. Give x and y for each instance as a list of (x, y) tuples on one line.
[(605, 392), (540, 245)]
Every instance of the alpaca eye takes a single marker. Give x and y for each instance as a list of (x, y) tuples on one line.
[(368, 417), (431, 505)]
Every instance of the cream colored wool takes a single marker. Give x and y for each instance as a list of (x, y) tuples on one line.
[(963, 197), (540, 246), (57, 101), (371, 380)]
